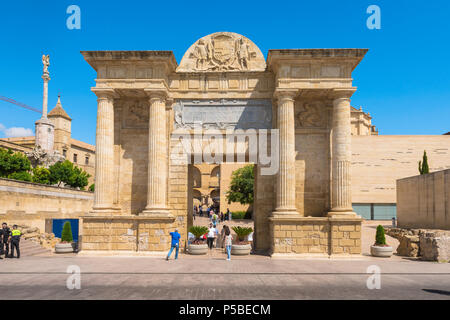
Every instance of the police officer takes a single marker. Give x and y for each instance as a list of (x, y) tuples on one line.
[(6, 234), (15, 239)]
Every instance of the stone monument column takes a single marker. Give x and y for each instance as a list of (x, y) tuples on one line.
[(157, 157), (341, 193), (44, 127), (285, 185), (104, 153)]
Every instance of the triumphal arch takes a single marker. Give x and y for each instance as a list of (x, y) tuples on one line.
[(298, 100)]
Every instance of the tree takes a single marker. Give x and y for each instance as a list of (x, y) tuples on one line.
[(13, 162), (69, 174), (241, 187), (41, 175), (423, 165), (66, 234), (79, 178)]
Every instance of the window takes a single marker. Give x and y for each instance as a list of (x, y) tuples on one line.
[(65, 153), (86, 160), (75, 158)]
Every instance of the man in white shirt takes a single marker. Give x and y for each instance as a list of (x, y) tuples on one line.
[(211, 236)]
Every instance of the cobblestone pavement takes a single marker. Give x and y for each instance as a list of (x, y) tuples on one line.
[(215, 278)]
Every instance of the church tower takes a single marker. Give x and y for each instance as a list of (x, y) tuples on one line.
[(62, 123)]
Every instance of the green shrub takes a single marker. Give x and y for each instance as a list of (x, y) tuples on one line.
[(380, 238), (198, 232), (41, 175), (238, 215), (242, 232), (22, 176), (66, 235), (92, 187)]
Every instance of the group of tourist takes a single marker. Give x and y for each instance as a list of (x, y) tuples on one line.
[(213, 214), (9, 239), (212, 237)]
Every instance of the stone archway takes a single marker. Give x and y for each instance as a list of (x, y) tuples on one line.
[(146, 101)]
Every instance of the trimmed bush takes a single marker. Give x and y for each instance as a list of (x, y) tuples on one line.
[(242, 232), (66, 235), (380, 238), (198, 232)]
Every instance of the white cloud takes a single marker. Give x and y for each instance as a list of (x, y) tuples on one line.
[(15, 131)]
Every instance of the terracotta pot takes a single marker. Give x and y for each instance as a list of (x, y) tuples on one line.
[(381, 251), (63, 248), (197, 249), (241, 249)]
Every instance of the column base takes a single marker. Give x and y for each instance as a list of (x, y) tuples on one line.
[(342, 214), (104, 211), (156, 213), (285, 213)]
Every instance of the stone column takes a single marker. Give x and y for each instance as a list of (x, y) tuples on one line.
[(341, 197), (285, 188), (44, 128), (46, 78), (104, 153), (157, 157)]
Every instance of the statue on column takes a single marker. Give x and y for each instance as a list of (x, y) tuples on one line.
[(46, 63)]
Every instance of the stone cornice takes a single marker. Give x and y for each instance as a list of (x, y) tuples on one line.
[(95, 57)]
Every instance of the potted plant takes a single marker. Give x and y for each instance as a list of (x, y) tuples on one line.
[(380, 248), (66, 244), (198, 245), (241, 246)]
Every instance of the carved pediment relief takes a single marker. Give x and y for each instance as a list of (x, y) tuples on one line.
[(222, 51), (310, 114)]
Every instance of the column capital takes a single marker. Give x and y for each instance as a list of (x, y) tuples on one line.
[(157, 94), (105, 93), (283, 94), (342, 93)]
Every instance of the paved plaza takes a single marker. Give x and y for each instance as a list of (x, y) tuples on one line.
[(212, 277)]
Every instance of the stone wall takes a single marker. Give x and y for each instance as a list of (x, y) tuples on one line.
[(130, 234), (323, 236), (423, 201), (378, 161), (30, 203)]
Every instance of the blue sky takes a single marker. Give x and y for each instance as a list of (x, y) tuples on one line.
[(403, 81)]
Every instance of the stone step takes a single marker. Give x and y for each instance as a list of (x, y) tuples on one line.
[(31, 248)]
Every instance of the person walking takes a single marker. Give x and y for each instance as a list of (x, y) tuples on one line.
[(15, 240), (4, 244), (228, 214), (228, 243), (175, 244), (250, 241), (214, 219), (221, 238), (200, 209), (211, 236)]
